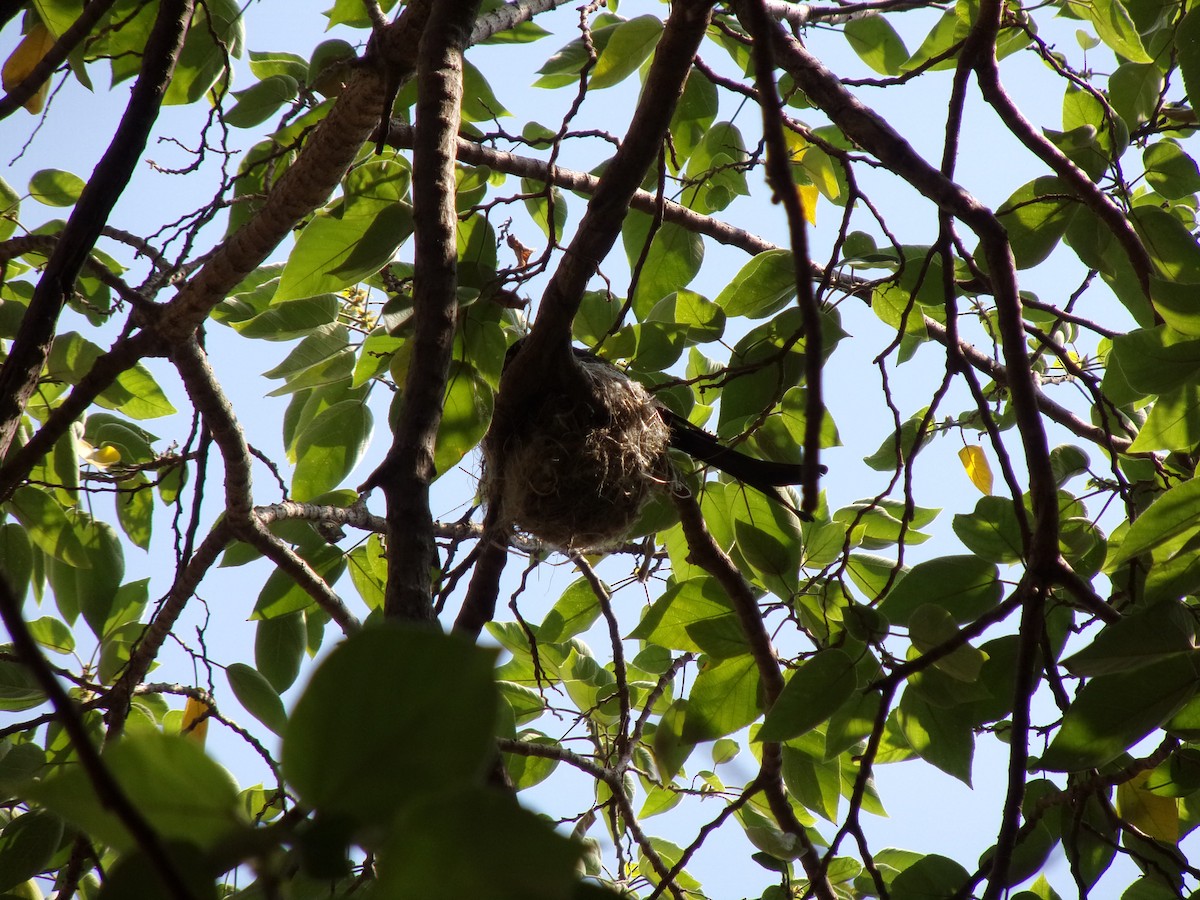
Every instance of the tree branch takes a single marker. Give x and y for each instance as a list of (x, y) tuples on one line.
[(28, 352), (109, 791)]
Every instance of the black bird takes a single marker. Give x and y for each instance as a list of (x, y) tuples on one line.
[(760, 474)]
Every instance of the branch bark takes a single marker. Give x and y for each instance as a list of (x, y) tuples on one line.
[(409, 468), (28, 352)]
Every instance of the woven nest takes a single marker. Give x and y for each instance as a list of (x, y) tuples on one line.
[(577, 474)]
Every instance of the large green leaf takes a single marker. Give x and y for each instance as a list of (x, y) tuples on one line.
[(941, 736), (1187, 45), (466, 414), (815, 692), (1173, 517), (628, 47), (47, 525), (1114, 26), (415, 722), (573, 613), (763, 286), (329, 448), (279, 645), (27, 845), (257, 696), (355, 237), (54, 187), (1036, 217), (724, 698), (965, 586), (181, 792), (673, 260), (877, 43), (217, 33), (472, 842), (696, 616), (1113, 712)]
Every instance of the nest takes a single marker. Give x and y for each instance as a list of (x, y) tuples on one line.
[(578, 471)]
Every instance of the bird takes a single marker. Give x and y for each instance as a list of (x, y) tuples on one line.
[(766, 476)]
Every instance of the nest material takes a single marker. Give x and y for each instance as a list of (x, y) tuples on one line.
[(578, 472)]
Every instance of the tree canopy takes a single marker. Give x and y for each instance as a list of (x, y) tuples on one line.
[(941, 259)]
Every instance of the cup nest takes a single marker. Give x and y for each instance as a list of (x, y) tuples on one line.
[(579, 471)]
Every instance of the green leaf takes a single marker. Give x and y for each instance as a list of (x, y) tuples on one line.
[(1173, 250), (811, 778), (10, 209), (329, 448), (673, 260), (573, 613), (991, 531), (267, 64), (1113, 712), (696, 616), (479, 103), (363, 754), (768, 537), (466, 414), (17, 552), (931, 626), (279, 646), (1036, 217), (814, 693), (259, 102), (714, 173), (628, 47), (1113, 26), (1187, 46), (355, 237), (281, 595), (27, 845), (47, 525), (181, 792), (53, 634), (931, 877), (965, 586), (514, 854), (217, 33), (19, 690), (1173, 423), (563, 67), (943, 737), (257, 696), (877, 43), (94, 587), (1133, 91), (1174, 515), (1153, 360), (54, 187), (723, 699), (763, 286)]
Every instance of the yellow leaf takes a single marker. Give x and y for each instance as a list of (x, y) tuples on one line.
[(808, 201), (978, 470), (32, 49), (195, 720), (1152, 815), (100, 457)]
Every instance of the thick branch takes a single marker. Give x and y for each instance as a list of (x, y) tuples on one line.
[(112, 796), (210, 401), (409, 468), (28, 352), (601, 223), (779, 176), (704, 552)]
